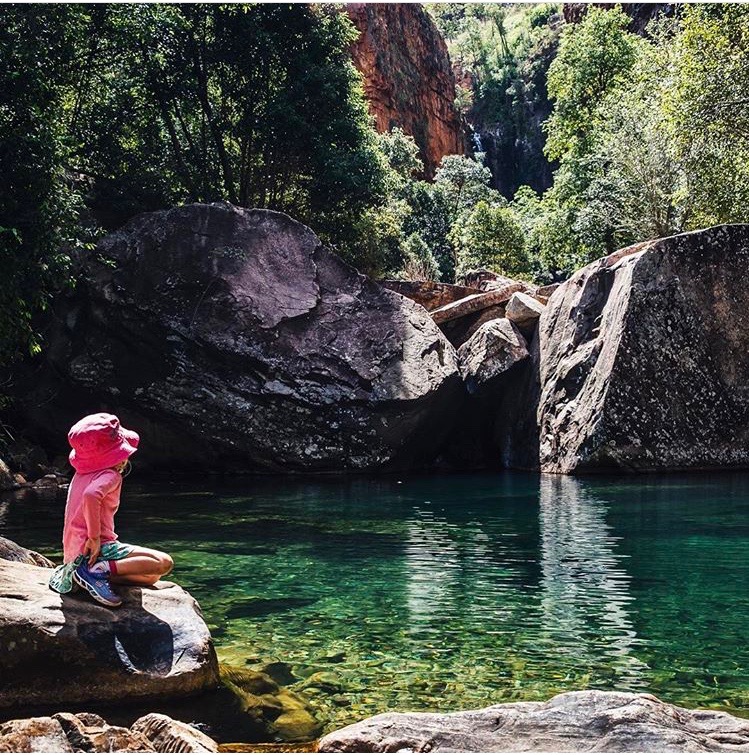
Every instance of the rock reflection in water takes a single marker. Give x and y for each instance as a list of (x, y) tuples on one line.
[(585, 589), (431, 560)]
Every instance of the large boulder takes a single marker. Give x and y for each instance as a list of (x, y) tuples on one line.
[(231, 339), (571, 722), (640, 362), (65, 649)]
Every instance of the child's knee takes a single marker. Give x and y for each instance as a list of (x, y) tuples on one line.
[(167, 564)]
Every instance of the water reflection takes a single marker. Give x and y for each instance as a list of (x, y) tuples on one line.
[(585, 589), (431, 563)]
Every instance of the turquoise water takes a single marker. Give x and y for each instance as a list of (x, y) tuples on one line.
[(452, 592)]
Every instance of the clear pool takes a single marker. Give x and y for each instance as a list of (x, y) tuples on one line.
[(456, 591)]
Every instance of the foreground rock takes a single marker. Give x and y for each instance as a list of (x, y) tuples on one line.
[(231, 339), (572, 722), (62, 650), (640, 362), (168, 735), (88, 732), (495, 347)]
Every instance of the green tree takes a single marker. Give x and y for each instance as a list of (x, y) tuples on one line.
[(256, 104), (402, 153), (419, 262), (707, 111), (491, 237), (430, 217), (38, 205), (465, 182), (595, 57)]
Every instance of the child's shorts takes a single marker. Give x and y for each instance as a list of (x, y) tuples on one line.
[(62, 577)]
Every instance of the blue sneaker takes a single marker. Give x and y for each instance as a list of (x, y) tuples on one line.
[(98, 587)]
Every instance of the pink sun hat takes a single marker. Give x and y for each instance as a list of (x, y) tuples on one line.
[(99, 442)]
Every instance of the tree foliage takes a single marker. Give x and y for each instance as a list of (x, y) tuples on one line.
[(256, 104), (37, 203), (491, 237), (707, 111)]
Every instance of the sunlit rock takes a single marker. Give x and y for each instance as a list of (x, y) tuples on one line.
[(640, 362), (67, 650), (572, 722)]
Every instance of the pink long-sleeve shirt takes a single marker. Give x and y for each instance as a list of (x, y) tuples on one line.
[(93, 499)]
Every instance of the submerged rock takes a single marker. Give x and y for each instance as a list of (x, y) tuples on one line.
[(231, 339), (640, 362), (571, 722), (65, 649), (271, 711)]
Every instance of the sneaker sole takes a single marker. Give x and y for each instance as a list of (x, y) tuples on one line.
[(90, 590)]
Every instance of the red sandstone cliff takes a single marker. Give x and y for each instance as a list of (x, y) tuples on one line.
[(408, 78)]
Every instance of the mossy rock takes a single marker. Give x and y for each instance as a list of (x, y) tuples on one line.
[(276, 712)]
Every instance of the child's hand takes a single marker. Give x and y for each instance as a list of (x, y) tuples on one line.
[(92, 549)]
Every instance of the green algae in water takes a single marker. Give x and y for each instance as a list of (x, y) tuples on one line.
[(456, 592)]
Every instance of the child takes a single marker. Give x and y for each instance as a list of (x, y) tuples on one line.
[(93, 556)]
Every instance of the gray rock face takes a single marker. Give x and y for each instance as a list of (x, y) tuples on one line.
[(491, 351), (572, 722), (640, 362), (232, 339), (65, 649)]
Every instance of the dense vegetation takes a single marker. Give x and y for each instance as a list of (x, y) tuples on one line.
[(647, 134), (110, 110)]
